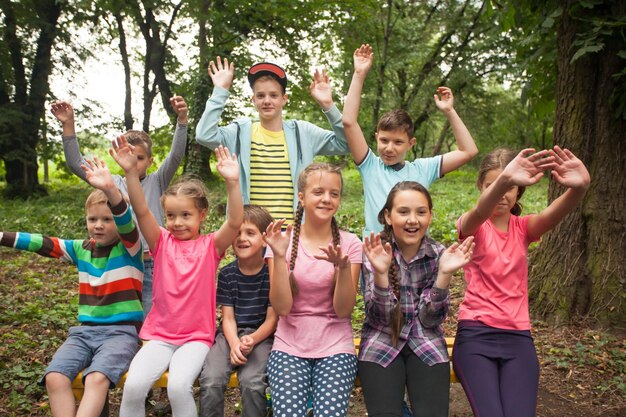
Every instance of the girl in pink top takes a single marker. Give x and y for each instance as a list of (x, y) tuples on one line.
[(181, 324), (313, 282), (494, 354)]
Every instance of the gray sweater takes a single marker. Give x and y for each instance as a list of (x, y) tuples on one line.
[(153, 184)]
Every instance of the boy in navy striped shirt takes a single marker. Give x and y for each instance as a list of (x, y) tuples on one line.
[(245, 338)]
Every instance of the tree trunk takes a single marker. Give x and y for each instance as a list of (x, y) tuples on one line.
[(20, 159), (579, 270), (128, 114)]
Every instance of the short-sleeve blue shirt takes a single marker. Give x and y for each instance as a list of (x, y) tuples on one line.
[(379, 179), (248, 294)]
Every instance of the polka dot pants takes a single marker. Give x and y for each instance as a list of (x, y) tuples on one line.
[(329, 380)]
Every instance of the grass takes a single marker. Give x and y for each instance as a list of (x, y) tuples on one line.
[(38, 296)]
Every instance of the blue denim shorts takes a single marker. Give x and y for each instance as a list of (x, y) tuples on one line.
[(104, 349)]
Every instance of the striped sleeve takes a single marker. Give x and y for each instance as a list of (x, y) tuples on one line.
[(129, 234), (50, 247)]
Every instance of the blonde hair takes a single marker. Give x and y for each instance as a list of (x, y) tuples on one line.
[(302, 183), (139, 138), (96, 197), (498, 159), (188, 187)]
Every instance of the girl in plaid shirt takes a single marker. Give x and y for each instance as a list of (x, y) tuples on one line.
[(406, 300)]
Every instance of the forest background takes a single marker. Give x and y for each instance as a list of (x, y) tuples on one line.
[(524, 73)]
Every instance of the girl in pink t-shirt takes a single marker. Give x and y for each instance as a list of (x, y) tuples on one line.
[(181, 324), (494, 354), (313, 282)]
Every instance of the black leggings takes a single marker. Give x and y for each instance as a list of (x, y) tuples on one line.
[(383, 388)]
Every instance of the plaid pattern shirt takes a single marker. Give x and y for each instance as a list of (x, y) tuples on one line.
[(424, 307)]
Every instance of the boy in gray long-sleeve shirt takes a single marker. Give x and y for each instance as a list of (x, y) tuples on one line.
[(153, 184)]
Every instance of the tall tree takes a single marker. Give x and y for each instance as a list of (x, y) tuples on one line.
[(579, 269), (29, 30)]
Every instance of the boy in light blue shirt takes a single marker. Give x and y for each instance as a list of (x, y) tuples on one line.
[(394, 137)]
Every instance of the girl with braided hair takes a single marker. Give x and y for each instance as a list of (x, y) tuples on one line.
[(407, 275), (314, 270)]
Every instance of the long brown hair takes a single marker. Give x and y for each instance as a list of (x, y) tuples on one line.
[(387, 237), (297, 223), (498, 159)]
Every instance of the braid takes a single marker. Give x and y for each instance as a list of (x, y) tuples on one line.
[(394, 281), (294, 248), (335, 229)]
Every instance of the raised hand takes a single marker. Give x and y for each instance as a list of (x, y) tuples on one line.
[(122, 153), (63, 111), (320, 88), (456, 256), (528, 166), (222, 74), (278, 240), (379, 254), (445, 103), (363, 58), (568, 170), (334, 255), (98, 175), (227, 164), (180, 108)]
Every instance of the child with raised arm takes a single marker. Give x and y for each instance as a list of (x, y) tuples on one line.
[(153, 184), (110, 270), (314, 269), (394, 137), (406, 296), (273, 151), (180, 328), (494, 353), (245, 338)]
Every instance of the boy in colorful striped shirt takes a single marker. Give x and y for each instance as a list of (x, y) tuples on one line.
[(110, 273)]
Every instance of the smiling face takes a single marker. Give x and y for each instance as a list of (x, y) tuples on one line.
[(268, 98), (182, 217), (249, 242), (393, 145), (321, 195), (508, 200), (100, 224), (409, 218)]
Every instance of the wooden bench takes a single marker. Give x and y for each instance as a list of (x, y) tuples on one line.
[(78, 388)]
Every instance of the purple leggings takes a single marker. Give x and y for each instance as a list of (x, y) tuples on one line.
[(498, 370)]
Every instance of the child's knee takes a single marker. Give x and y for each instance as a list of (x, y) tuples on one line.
[(57, 380), (136, 387), (179, 388), (97, 380)]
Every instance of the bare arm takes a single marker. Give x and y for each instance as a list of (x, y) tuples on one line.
[(344, 297), (264, 331), (363, 58), (570, 172), (467, 149), (122, 154), (281, 297), (228, 167), (229, 327), (526, 169)]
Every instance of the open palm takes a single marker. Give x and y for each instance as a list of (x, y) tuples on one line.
[(363, 58), (122, 153), (378, 253), (456, 256), (277, 240), (528, 166), (569, 171), (227, 164), (97, 174)]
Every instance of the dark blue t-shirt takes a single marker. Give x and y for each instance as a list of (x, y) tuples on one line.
[(248, 294)]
